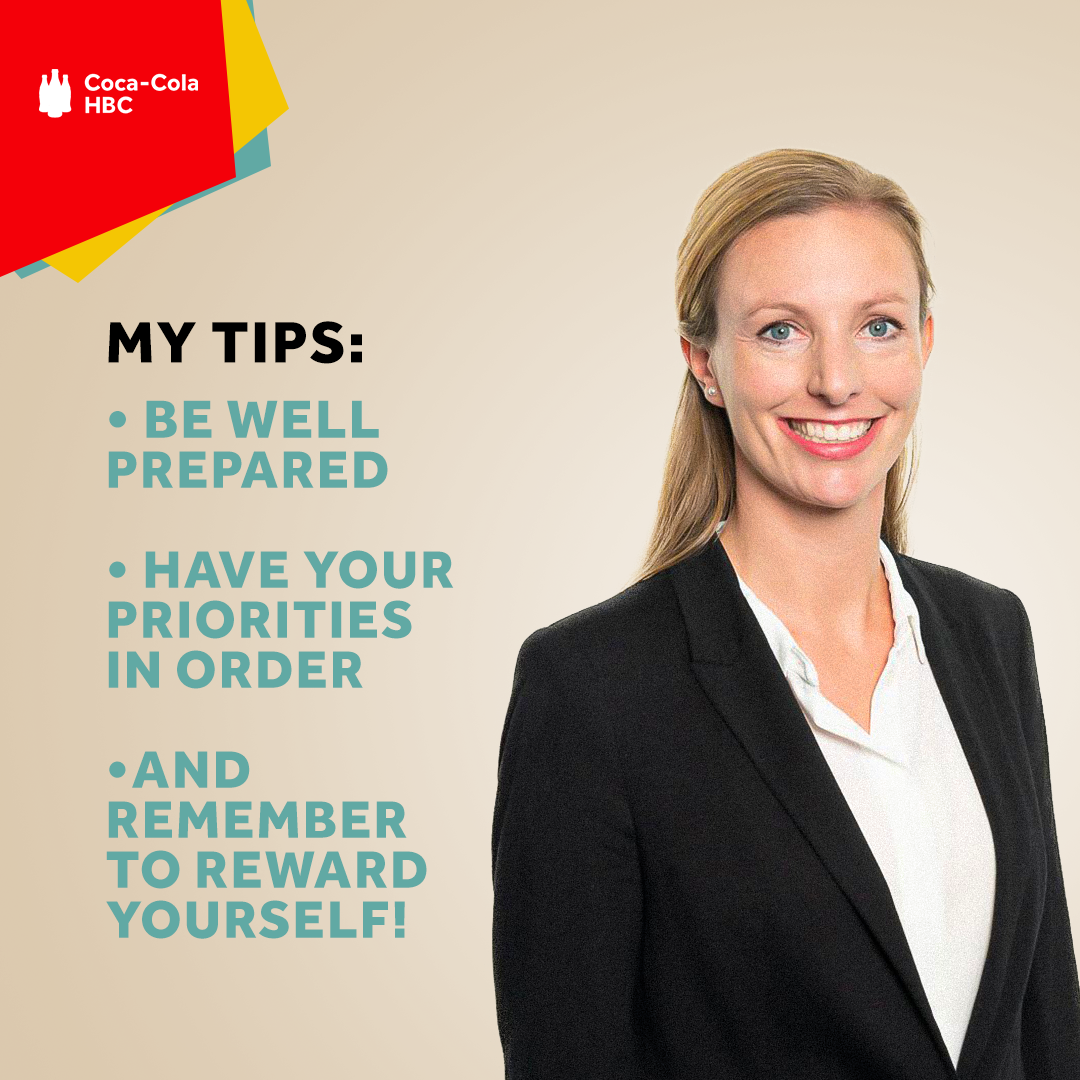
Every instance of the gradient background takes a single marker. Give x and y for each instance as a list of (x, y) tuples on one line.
[(493, 195)]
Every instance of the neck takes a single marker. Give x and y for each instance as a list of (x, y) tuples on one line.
[(816, 567)]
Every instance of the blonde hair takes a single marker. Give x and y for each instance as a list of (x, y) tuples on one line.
[(699, 475)]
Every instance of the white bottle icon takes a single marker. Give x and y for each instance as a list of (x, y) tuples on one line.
[(54, 96), (56, 107)]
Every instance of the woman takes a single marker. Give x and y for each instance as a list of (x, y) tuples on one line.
[(782, 808)]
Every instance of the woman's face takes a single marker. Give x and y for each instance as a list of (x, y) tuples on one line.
[(819, 354)]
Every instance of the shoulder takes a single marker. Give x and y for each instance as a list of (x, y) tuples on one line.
[(574, 676), (991, 617), (637, 625), (962, 594)]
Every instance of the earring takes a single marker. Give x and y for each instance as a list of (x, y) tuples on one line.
[(711, 391)]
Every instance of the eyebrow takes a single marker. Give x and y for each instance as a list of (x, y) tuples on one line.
[(786, 305)]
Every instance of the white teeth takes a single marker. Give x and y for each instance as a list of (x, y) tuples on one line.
[(830, 433)]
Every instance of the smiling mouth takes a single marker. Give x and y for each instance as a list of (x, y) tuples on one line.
[(820, 432)]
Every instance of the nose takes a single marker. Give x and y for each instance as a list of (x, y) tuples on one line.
[(835, 373)]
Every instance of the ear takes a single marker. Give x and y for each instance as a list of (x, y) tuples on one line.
[(697, 359), (927, 337)]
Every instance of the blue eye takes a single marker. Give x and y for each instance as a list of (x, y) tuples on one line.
[(783, 331), (879, 327)]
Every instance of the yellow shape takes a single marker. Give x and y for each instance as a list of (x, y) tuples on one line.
[(255, 102), (255, 97), (77, 261)]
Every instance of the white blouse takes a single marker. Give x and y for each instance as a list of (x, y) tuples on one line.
[(910, 788)]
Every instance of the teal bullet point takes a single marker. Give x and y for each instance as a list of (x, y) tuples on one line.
[(117, 769), (117, 569), (117, 419)]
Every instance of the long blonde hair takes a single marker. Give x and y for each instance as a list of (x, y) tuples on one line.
[(699, 475)]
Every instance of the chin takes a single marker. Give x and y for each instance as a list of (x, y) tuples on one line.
[(842, 486), (841, 497)]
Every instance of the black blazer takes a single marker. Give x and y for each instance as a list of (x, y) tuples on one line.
[(681, 890)]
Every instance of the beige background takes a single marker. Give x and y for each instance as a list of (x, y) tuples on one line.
[(492, 194)]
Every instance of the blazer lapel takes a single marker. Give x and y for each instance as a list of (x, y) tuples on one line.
[(997, 763), (737, 670)]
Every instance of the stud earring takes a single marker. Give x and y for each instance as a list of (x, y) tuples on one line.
[(711, 391)]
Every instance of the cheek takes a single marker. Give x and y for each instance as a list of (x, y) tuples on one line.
[(901, 385), (754, 383)]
